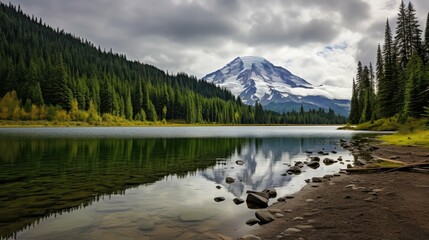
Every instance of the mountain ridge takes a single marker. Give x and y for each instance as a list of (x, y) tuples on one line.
[(255, 79)]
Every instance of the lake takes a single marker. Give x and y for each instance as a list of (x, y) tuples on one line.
[(149, 182)]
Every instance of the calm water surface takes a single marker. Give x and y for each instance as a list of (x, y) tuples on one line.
[(148, 183)]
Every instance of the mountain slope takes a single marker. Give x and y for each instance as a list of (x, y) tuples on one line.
[(255, 79)]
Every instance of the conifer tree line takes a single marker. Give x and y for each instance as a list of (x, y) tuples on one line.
[(399, 85), (46, 73)]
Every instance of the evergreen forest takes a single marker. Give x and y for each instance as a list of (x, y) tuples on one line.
[(399, 85), (48, 74)]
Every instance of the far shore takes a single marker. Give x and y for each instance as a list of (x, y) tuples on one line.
[(11, 124)]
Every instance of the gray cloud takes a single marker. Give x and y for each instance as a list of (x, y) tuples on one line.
[(197, 36)]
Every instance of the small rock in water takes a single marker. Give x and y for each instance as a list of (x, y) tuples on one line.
[(289, 197), (334, 152), (239, 162), (270, 192), (347, 197), (328, 176), (238, 201), (337, 175), (340, 158), (307, 180), (279, 215), (298, 219), (299, 164), (313, 164), (229, 180), (349, 166), (316, 179), (219, 199), (218, 187), (328, 161), (317, 159), (294, 169)]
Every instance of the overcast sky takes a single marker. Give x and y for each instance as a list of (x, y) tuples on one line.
[(319, 40)]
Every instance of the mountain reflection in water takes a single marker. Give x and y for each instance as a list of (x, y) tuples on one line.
[(172, 178)]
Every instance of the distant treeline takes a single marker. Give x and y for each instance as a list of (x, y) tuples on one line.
[(400, 85), (57, 75)]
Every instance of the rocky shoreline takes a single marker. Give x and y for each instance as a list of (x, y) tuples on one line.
[(384, 205)]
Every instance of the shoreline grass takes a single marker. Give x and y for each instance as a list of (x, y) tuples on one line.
[(418, 138)]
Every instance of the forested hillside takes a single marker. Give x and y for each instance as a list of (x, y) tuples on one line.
[(400, 85), (46, 73)]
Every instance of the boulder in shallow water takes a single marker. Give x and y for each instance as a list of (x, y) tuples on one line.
[(256, 201)]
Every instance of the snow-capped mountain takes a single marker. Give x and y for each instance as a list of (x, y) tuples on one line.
[(256, 79)]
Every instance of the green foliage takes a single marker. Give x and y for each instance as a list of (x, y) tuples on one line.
[(412, 125), (57, 71), (402, 76), (383, 124)]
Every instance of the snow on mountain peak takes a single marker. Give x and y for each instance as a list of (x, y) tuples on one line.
[(255, 79), (249, 61)]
